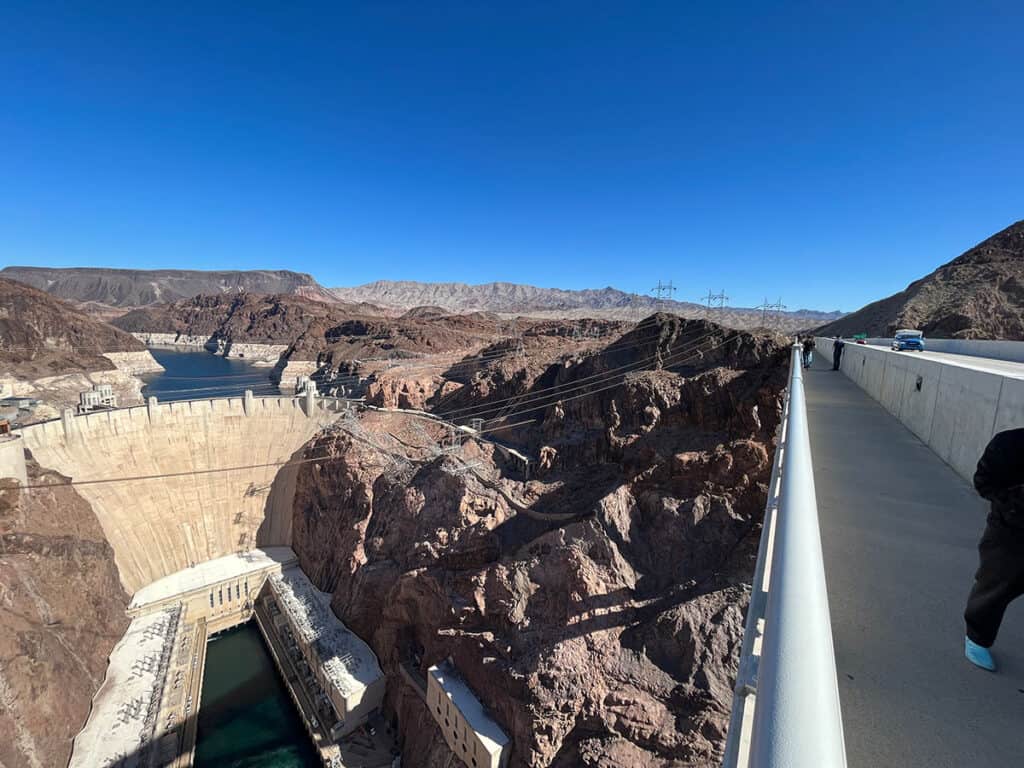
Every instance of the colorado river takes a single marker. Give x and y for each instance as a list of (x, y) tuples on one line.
[(198, 374), (246, 719)]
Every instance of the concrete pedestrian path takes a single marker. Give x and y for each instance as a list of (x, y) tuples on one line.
[(899, 534)]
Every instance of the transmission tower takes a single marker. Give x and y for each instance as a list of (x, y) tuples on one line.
[(720, 297), (775, 308), (662, 292)]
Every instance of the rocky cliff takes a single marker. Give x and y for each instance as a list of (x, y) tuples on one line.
[(978, 295), (61, 613), (596, 609), (43, 336), (51, 352)]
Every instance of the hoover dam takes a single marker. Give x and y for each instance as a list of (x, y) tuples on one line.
[(195, 500), (189, 500)]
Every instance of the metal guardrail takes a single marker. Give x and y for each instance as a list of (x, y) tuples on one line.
[(786, 709)]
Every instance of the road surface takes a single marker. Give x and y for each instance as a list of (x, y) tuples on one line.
[(899, 535), (987, 364)]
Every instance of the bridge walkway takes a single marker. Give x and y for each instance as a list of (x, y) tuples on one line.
[(899, 533)]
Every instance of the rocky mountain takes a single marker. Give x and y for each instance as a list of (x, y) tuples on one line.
[(978, 295), (236, 317), (596, 609), (137, 287), (41, 335), (511, 298), (62, 610)]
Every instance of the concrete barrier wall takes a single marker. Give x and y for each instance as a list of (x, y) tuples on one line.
[(993, 350), (161, 525), (954, 410)]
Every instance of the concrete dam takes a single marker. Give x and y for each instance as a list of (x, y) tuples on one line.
[(190, 507)]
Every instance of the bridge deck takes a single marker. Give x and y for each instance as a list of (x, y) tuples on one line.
[(899, 534)]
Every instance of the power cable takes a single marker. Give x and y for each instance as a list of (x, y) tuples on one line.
[(575, 384)]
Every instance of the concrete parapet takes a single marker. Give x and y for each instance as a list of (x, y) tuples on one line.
[(953, 409), (992, 349)]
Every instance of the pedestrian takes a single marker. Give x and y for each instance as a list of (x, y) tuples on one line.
[(809, 345), (1000, 576), (837, 352)]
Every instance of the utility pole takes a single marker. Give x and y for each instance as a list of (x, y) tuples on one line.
[(663, 291), (765, 308)]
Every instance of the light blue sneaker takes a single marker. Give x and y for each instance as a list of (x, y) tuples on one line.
[(978, 655)]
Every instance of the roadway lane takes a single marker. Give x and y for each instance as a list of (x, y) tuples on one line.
[(987, 364), (899, 534)]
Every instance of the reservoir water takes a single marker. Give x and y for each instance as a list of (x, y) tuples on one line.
[(198, 374), (246, 718)]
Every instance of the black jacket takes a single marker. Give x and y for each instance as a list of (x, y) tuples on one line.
[(1000, 478)]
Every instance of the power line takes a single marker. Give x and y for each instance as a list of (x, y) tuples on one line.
[(569, 386), (296, 462), (618, 383)]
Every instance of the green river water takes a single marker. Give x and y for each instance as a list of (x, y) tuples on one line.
[(246, 718)]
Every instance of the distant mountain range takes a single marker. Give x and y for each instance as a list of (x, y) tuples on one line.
[(129, 288), (528, 299), (110, 292), (978, 295)]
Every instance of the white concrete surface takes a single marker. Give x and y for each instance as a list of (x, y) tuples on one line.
[(125, 709), (953, 403), (348, 668), (12, 458), (206, 574), (212, 481), (484, 743), (1011, 351)]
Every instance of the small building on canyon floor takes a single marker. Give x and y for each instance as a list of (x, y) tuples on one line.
[(469, 731)]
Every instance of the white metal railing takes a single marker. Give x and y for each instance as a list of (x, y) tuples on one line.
[(786, 709)]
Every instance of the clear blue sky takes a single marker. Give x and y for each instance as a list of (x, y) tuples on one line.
[(822, 154)]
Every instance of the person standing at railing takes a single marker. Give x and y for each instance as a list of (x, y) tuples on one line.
[(809, 345), (837, 352), (1000, 577)]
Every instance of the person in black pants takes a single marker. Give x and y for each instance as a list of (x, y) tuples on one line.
[(808, 345), (837, 352), (1000, 576)]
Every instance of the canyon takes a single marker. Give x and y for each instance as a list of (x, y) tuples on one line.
[(566, 512)]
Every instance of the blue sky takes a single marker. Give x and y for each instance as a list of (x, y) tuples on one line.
[(824, 153)]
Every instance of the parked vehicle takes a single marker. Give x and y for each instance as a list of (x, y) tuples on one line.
[(908, 339)]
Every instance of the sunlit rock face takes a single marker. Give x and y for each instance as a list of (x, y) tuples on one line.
[(596, 609)]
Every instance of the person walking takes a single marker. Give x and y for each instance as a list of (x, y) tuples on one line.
[(1000, 576), (837, 352), (809, 345)]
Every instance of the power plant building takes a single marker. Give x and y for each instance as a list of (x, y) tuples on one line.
[(470, 732), (344, 667)]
